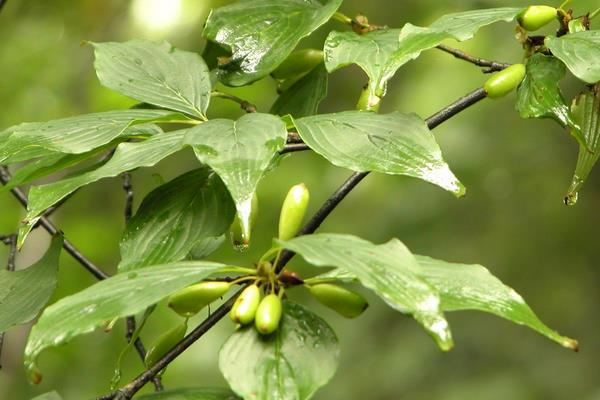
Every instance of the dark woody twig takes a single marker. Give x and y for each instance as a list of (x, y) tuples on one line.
[(480, 62)]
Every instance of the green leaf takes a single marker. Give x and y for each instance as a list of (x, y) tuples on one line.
[(382, 52), (586, 110), (128, 156), (303, 97), (205, 247), (74, 135), (539, 94), (191, 394), (389, 270), (116, 297), (262, 33), (392, 144), (175, 218), (473, 287), (155, 73), (48, 396), (290, 364), (240, 152), (24, 293), (580, 52)]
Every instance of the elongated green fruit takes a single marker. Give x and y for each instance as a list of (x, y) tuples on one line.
[(341, 300), (243, 223), (292, 211), (268, 314), (189, 301), (535, 17), (503, 82), (245, 306), (164, 344), (299, 63)]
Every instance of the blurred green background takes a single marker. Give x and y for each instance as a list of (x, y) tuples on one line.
[(512, 220)]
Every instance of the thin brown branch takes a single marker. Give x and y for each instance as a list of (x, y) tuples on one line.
[(480, 62), (290, 148)]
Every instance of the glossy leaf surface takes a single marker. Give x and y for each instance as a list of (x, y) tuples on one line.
[(175, 218), (396, 143), (262, 33), (290, 364)]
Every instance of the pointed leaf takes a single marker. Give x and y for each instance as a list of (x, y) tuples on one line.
[(73, 135), (116, 297), (303, 97), (580, 52), (24, 293), (52, 163), (290, 364), (262, 33), (380, 53), (155, 73), (240, 152), (389, 270), (394, 143), (586, 109), (473, 287), (175, 218), (191, 394), (128, 156), (539, 95)]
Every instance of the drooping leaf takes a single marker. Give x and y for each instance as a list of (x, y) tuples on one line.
[(392, 144), (303, 97), (24, 293), (48, 396), (380, 53), (580, 52), (290, 364), (473, 287), (116, 297), (586, 110), (128, 156), (262, 33), (539, 95), (390, 270), (175, 218), (191, 394), (155, 73), (240, 152), (73, 135)]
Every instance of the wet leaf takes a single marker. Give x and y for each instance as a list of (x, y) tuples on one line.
[(290, 364), (580, 52)]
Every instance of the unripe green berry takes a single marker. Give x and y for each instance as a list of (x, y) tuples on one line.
[(292, 211), (535, 17), (299, 63), (245, 306), (505, 81), (187, 302), (343, 301), (164, 344), (268, 314)]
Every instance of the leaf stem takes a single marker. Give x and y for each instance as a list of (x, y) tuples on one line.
[(594, 14), (244, 105)]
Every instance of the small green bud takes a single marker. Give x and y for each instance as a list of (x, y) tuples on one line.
[(245, 306), (299, 63), (165, 343), (189, 301), (241, 228), (292, 211), (343, 301), (505, 81), (268, 314), (535, 17)]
